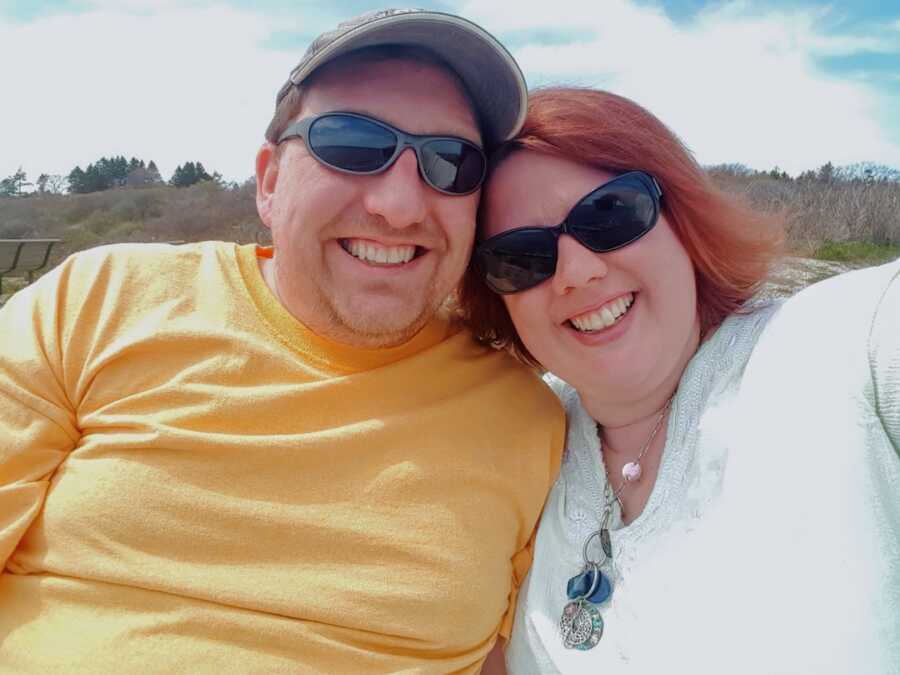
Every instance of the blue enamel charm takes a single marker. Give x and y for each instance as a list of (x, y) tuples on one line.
[(581, 584)]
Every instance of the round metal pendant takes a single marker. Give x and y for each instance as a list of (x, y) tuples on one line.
[(581, 625)]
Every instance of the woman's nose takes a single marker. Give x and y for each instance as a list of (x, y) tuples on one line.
[(576, 266)]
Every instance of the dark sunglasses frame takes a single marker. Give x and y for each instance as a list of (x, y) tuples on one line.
[(550, 242), (417, 142)]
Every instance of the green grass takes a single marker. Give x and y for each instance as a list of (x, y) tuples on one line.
[(857, 252)]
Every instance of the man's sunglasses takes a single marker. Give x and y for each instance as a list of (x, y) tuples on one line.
[(611, 216), (358, 144)]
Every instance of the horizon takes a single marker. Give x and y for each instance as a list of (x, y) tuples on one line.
[(763, 84)]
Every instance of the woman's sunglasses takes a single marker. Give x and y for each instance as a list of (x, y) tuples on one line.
[(611, 216), (358, 144)]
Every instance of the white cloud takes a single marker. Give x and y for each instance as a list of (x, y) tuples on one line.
[(179, 80), (148, 5), (736, 87), (173, 86)]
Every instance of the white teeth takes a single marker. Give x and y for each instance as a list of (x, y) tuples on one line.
[(395, 255), (377, 254), (605, 316)]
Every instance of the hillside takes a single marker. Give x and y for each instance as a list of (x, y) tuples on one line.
[(146, 214), (826, 216)]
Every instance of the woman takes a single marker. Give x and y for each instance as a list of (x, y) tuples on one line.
[(730, 497)]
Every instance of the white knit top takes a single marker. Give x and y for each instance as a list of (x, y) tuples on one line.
[(771, 540)]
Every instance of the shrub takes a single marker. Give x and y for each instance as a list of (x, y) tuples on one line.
[(100, 222), (15, 230), (863, 252)]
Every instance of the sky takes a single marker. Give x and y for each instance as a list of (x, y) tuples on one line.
[(765, 84)]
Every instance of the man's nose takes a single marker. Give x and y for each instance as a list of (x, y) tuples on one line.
[(576, 266), (399, 194)]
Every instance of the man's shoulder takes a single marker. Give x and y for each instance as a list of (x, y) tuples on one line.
[(521, 389), (143, 269), (522, 405), (124, 277), (144, 257), (495, 364)]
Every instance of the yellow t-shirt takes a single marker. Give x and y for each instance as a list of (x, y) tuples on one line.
[(191, 481)]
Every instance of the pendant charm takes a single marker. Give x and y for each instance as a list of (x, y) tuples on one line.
[(631, 472), (591, 585), (581, 625)]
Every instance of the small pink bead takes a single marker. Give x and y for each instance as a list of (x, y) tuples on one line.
[(631, 472)]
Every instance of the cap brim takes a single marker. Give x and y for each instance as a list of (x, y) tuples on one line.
[(490, 74)]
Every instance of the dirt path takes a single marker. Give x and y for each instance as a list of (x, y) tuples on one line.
[(796, 273)]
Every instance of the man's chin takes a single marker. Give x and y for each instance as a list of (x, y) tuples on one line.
[(385, 327)]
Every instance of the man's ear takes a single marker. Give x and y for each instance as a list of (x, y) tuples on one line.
[(266, 180)]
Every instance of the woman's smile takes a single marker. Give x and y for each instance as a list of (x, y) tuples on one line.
[(603, 317)]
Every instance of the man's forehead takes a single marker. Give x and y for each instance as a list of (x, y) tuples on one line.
[(418, 97)]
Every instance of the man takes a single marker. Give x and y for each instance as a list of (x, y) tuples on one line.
[(216, 458)]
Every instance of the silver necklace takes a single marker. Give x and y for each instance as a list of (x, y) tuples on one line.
[(581, 625)]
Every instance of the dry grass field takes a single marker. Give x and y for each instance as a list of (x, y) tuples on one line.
[(848, 222)]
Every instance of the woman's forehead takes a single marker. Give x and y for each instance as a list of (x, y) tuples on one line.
[(531, 189)]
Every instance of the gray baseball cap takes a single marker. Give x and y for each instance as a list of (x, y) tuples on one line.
[(491, 76)]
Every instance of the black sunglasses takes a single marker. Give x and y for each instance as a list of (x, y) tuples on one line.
[(611, 216), (358, 144)]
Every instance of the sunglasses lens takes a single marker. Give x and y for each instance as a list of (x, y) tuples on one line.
[(351, 143), (518, 260), (615, 214), (452, 166)]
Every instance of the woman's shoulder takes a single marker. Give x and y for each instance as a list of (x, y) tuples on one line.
[(566, 394), (559, 386), (723, 355), (581, 429), (748, 322)]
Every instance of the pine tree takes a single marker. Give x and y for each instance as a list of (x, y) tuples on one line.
[(118, 172), (177, 179), (12, 185), (188, 174), (96, 176), (826, 173), (201, 173), (154, 172), (77, 183)]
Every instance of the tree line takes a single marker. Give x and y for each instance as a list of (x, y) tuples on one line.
[(104, 174), (867, 172), (114, 172)]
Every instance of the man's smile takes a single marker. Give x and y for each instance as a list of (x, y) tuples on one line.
[(376, 253)]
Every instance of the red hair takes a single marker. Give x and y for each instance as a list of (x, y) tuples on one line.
[(732, 247)]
